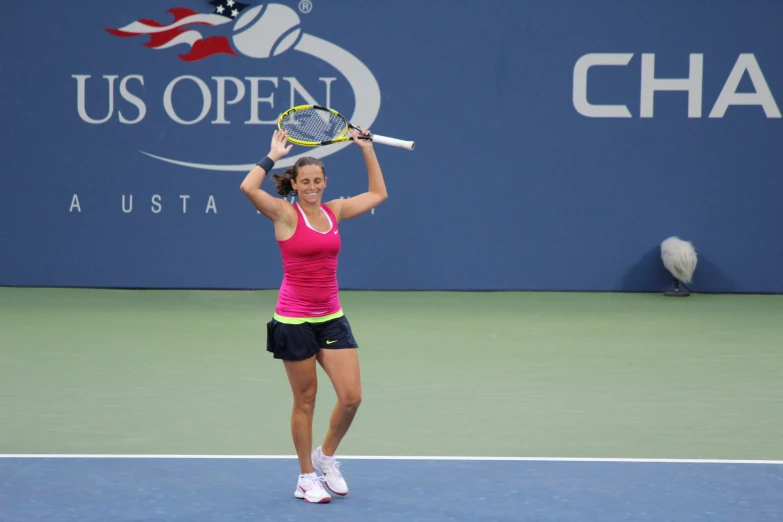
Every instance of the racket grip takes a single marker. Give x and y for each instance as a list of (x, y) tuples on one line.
[(394, 142)]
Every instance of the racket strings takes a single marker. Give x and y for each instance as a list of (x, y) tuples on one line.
[(313, 125)]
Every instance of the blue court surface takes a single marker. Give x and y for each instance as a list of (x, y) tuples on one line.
[(83, 488)]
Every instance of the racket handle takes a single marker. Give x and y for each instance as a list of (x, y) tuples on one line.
[(394, 142)]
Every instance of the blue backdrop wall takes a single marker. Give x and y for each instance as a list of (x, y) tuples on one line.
[(558, 143)]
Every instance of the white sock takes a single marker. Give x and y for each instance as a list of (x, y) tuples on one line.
[(307, 475), (324, 455)]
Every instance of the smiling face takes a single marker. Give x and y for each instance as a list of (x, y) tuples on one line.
[(309, 184)]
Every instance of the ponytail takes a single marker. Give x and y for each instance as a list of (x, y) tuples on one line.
[(283, 182)]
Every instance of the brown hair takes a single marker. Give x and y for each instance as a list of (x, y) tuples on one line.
[(283, 181)]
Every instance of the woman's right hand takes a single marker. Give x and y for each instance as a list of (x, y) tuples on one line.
[(279, 149)]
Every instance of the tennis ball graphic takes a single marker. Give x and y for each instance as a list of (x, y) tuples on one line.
[(261, 33)]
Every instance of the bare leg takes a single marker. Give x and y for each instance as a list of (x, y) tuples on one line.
[(342, 367), (304, 384)]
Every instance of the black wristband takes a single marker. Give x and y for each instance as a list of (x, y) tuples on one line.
[(266, 164)]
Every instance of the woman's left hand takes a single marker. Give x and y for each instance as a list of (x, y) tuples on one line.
[(364, 144)]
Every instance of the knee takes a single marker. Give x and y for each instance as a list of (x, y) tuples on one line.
[(351, 400), (305, 401)]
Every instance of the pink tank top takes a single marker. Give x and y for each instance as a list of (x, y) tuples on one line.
[(309, 286)]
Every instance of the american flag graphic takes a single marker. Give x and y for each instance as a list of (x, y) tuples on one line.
[(164, 36)]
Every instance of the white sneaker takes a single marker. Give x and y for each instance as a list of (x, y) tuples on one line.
[(310, 489), (331, 470)]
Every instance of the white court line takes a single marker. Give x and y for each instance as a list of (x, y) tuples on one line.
[(374, 457)]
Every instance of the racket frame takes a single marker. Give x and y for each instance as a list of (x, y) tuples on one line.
[(342, 137)]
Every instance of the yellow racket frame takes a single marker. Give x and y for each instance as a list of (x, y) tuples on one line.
[(342, 137)]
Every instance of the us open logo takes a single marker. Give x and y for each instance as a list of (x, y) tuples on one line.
[(247, 33)]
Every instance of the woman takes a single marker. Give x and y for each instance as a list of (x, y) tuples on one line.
[(309, 324)]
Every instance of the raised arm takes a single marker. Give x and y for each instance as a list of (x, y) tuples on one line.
[(376, 192), (270, 206)]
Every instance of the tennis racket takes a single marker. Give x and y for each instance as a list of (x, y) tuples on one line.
[(313, 125)]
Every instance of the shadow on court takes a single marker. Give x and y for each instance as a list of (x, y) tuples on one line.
[(217, 489)]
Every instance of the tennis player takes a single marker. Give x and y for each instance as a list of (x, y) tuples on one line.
[(309, 324)]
